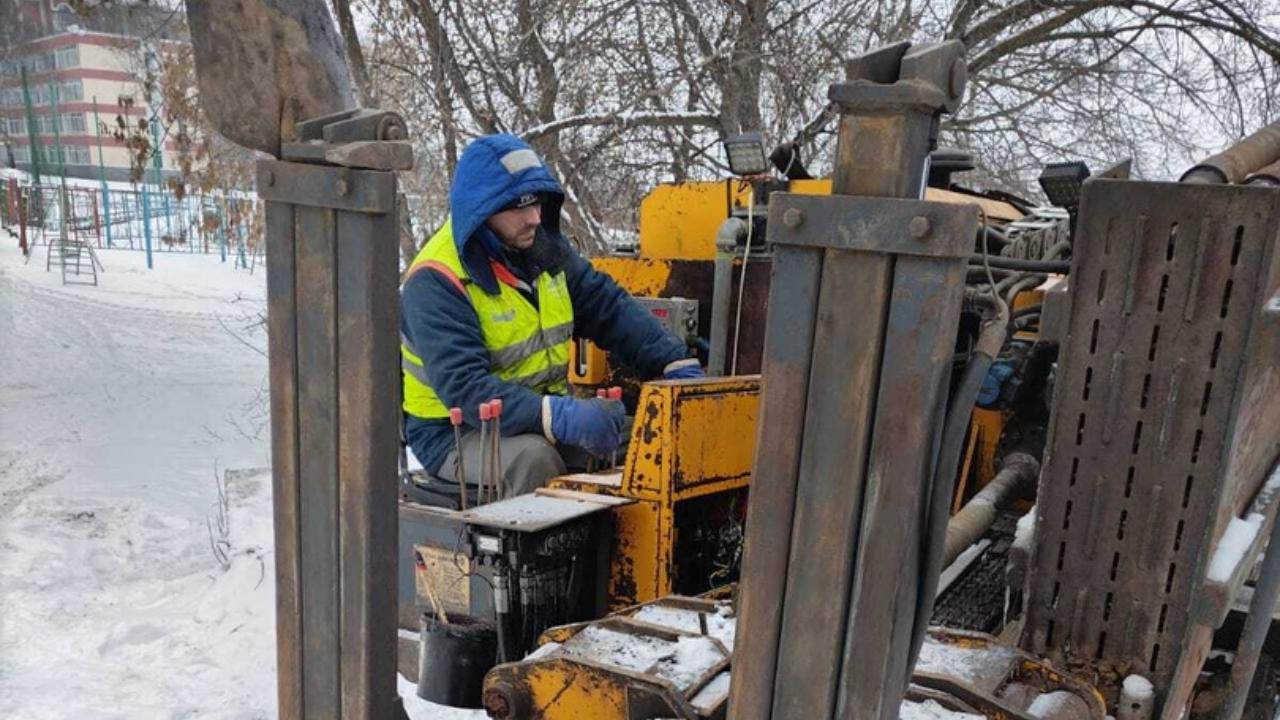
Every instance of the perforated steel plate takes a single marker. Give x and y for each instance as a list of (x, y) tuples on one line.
[(1162, 427)]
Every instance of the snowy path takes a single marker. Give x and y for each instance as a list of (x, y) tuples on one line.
[(116, 404)]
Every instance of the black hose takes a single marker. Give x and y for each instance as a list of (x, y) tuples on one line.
[(944, 481), (977, 273), (1043, 266)]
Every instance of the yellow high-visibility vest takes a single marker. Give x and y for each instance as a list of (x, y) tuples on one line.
[(527, 345)]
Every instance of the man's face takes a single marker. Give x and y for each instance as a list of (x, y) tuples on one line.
[(516, 227)]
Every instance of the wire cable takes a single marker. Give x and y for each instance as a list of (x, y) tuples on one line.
[(742, 278)]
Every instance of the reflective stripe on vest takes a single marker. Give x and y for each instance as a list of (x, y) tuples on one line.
[(527, 345)]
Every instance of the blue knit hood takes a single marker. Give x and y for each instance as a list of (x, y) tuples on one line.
[(494, 171)]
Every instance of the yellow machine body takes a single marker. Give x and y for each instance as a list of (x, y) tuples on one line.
[(679, 221), (580, 674), (575, 675), (693, 441)]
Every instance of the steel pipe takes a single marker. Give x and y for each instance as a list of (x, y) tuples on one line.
[(1255, 630), (1269, 176), (1236, 162), (977, 516), (732, 231)]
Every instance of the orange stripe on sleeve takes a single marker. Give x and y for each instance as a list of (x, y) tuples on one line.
[(439, 267)]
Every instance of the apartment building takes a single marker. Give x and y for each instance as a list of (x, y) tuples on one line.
[(83, 77)]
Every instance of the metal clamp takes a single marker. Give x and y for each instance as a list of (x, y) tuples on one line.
[(358, 138)]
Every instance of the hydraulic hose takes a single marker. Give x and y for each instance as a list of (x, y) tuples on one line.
[(1044, 266), (946, 468)]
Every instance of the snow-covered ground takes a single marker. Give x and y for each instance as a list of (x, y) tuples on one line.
[(121, 407)]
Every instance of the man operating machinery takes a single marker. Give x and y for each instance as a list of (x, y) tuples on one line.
[(489, 308)]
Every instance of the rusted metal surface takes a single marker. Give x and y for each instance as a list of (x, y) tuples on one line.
[(788, 352), (318, 462), (359, 191), (829, 495), (333, 319), (1163, 424), (911, 401), (299, 68), (372, 155), (863, 308), (282, 339), (368, 423), (860, 223), (1220, 593)]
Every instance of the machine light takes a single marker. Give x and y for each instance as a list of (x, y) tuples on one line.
[(746, 153), (1061, 183)]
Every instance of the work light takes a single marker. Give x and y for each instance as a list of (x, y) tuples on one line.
[(746, 153)]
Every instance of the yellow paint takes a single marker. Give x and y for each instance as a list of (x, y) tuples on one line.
[(706, 423), (646, 277), (641, 277), (638, 571), (985, 427), (690, 439), (1027, 298), (819, 186), (588, 364), (560, 688), (679, 221)]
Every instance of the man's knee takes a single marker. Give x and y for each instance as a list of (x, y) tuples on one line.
[(533, 461)]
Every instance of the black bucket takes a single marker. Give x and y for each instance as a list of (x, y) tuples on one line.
[(453, 659)]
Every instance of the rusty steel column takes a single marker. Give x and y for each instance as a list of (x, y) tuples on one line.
[(333, 322), (863, 308)]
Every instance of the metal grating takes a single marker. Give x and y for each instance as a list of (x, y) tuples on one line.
[(1166, 335)]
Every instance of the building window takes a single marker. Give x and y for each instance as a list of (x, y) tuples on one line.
[(17, 126), (70, 91), (74, 154), (73, 123), (22, 154), (66, 154), (67, 57), (11, 98), (41, 63)]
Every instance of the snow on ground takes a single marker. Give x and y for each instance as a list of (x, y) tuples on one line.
[(117, 403)]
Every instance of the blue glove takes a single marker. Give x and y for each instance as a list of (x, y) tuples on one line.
[(683, 370), (594, 424)]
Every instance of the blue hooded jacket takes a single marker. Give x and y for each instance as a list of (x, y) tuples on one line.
[(440, 321)]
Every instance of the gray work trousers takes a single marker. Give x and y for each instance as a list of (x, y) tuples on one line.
[(528, 461)]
